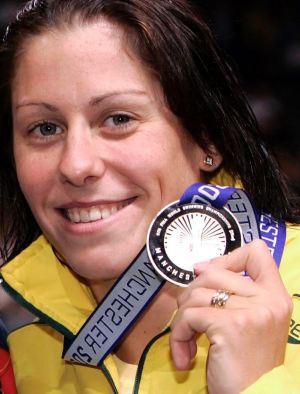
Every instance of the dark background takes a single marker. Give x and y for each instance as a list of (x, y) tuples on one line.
[(262, 38)]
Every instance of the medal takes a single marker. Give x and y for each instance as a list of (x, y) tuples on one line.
[(183, 235)]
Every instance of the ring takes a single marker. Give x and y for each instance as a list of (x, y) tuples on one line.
[(220, 298)]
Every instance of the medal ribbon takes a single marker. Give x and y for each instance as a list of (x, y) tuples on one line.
[(254, 224), (139, 284), (116, 313)]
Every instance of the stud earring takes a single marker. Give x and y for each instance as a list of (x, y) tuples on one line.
[(209, 161)]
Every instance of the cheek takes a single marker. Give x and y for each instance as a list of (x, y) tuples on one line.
[(161, 161), (32, 175)]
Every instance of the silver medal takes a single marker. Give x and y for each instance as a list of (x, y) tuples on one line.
[(183, 235)]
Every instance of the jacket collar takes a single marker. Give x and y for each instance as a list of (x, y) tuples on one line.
[(49, 289)]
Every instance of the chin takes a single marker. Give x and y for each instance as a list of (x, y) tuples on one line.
[(95, 270)]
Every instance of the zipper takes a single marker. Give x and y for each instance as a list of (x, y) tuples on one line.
[(140, 366), (109, 378), (143, 358)]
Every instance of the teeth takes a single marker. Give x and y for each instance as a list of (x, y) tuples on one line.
[(105, 213), (74, 216), (77, 215), (95, 214), (84, 216), (113, 209)]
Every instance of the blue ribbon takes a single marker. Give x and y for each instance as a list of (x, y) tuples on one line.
[(254, 224)]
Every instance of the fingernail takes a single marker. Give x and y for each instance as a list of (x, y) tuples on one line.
[(200, 265)]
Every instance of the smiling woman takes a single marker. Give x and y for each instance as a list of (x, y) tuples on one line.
[(78, 148), (111, 110)]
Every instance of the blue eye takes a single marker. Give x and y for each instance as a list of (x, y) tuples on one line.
[(119, 119), (46, 129)]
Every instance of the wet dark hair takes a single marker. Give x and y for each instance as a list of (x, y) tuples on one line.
[(176, 45)]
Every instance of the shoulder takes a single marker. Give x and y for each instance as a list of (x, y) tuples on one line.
[(292, 244), (290, 263), (292, 236)]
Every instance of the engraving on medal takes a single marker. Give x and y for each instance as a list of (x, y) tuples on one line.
[(182, 235)]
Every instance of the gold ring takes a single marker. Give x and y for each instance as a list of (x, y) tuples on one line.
[(219, 298)]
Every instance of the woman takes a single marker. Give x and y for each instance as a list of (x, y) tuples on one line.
[(113, 109)]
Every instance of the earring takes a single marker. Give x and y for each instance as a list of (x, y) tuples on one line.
[(209, 161)]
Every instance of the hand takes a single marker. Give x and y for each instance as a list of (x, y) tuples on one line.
[(248, 336)]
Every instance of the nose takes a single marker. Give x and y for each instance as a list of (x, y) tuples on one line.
[(81, 162)]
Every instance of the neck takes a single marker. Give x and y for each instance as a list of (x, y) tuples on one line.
[(151, 323), (154, 320)]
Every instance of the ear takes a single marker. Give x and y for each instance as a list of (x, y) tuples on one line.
[(211, 159)]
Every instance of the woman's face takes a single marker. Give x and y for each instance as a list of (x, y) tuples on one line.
[(97, 151)]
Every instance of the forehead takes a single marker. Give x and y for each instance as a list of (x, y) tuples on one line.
[(81, 55), (76, 37)]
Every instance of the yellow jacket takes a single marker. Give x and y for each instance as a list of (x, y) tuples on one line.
[(38, 281)]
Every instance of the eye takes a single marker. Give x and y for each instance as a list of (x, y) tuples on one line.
[(46, 129), (120, 119), (119, 125), (117, 120)]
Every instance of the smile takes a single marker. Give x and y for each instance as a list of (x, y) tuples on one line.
[(94, 213)]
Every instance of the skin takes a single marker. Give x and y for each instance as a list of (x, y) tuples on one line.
[(112, 141)]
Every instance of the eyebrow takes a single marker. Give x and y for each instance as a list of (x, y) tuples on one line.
[(50, 107), (92, 102), (96, 100)]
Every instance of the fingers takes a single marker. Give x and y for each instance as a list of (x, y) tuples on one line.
[(183, 341), (183, 352), (201, 297), (187, 325), (254, 258), (214, 277), (259, 299)]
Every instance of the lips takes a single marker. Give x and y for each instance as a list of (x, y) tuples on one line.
[(95, 212)]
